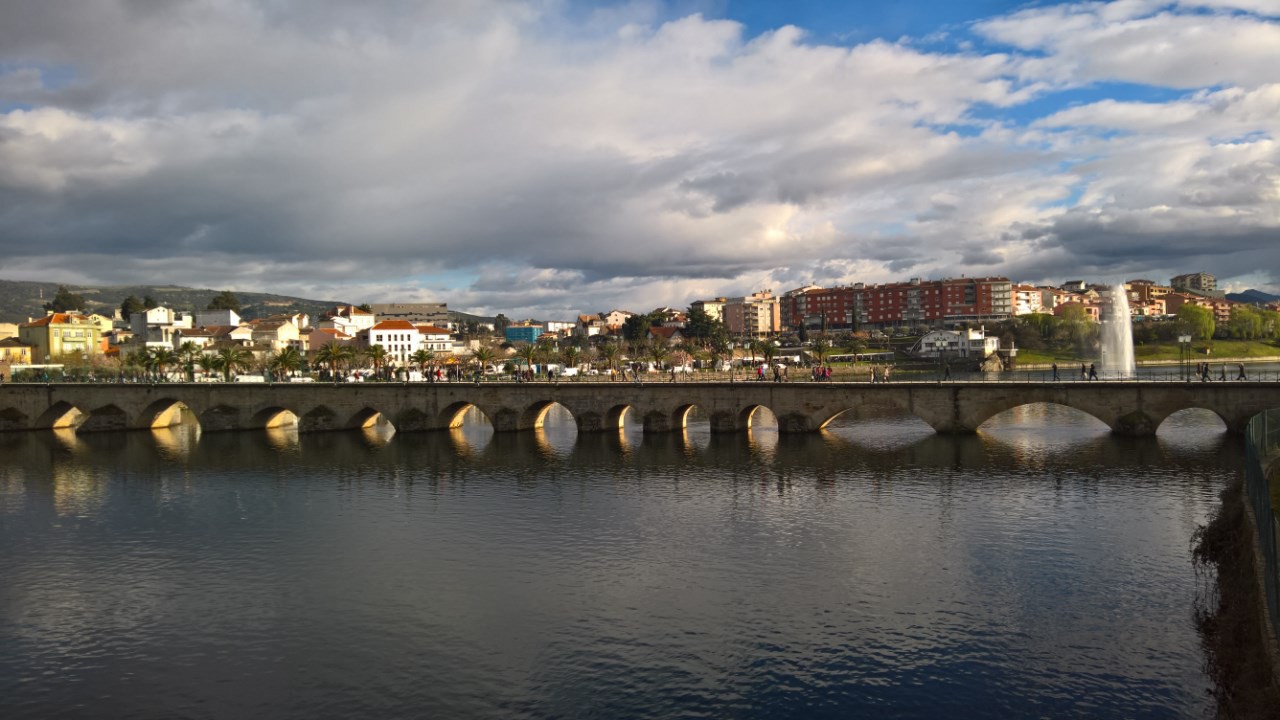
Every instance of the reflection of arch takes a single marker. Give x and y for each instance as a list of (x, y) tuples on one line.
[(12, 419), (1017, 414), (107, 417), (163, 413), (1193, 410), (62, 415), (274, 417)]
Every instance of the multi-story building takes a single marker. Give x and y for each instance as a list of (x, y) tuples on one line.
[(756, 315), (57, 335), (818, 307), (1027, 300), (713, 308), (523, 332), (1200, 282), (932, 302), (159, 327), (400, 338), (436, 339), (434, 314), (14, 352)]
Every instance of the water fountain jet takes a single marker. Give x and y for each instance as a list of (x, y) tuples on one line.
[(1117, 336)]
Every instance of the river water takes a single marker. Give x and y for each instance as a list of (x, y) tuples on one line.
[(1038, 569)]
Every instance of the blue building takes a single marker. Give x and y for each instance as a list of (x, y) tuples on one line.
[(523, 333)]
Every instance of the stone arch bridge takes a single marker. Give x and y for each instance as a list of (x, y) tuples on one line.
[(1130, 408)]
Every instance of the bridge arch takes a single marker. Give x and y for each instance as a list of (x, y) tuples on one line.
[(320, 418), (103, 419), (454, 415), (274, 417), (12, 418), (62, 415), (162, 413), (1174, 419), (365, 417)]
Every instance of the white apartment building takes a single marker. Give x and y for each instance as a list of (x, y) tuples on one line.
[(400, 338)]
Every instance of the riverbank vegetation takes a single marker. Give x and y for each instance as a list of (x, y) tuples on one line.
[(1229, 613)]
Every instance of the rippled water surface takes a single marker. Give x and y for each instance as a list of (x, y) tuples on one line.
[(1038, 569)]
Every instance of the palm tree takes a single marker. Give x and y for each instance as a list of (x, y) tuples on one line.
[(233, 359), (159, 360), (209, 361), (333, 354), (609, 353), (136, 360), (378, 356), (529, 354), (769, 351), (423, 358), (572, 355), (189, 351), (285, 362), (482, 356)]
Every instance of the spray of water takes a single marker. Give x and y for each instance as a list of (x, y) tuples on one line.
[(1117, 335)]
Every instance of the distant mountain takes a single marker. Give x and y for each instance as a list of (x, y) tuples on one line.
[(1253, 297), (22, 300)]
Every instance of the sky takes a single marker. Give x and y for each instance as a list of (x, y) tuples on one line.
[(552, 157)]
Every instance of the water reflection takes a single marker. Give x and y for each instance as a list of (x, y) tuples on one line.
[(1037, 568)]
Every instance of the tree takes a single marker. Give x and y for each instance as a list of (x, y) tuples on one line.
[(225, 300), (285, 362), (233, 360), (609, 353), (528, 353), (65, 301), (572, 355), (130, 306), (189, 351), (1246, 323), (365, 307), (1196, 320), (333, 354), (501, 323), (424, 358), (159, 360), (148, 302), (378, 356), (820, 348), (636, 327), (482, 356)]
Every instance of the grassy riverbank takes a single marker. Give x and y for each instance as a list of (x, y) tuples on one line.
[(1251, 350)]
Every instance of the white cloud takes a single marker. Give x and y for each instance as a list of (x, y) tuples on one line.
[(503, 157)]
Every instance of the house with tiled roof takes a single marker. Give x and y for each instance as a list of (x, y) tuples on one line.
[(436, 339), (58, 335), (400, 338)]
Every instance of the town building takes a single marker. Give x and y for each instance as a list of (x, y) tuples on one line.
[(399, 338), (14, 352), (159, 326), (756, 315), (968, 343), (931, 302), (523, 332), (714, 309), (1027, 300), (434, 314), (590, 325), (1200, 282), (216, 318), (436, 339), (58, 335)]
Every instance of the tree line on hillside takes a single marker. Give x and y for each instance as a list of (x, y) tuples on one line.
[(64, 300)]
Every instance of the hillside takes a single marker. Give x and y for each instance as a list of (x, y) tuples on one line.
[(1253, 297), (22, 300)]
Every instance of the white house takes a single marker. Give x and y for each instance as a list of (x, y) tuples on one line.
[(956, 344), (400, 338), (158, 327), (436, 339), (217, 318)]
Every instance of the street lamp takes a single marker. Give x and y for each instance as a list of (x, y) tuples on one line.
[(1184, 356)]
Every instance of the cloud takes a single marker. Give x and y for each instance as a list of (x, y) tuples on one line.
[(510, 156)]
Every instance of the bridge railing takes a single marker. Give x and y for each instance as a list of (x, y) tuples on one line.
[(1262, 442)]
